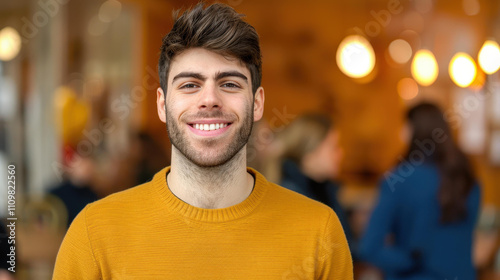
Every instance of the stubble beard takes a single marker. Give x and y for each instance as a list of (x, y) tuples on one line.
[(216, 158)]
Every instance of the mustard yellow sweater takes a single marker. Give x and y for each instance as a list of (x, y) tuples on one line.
[(148, 233)]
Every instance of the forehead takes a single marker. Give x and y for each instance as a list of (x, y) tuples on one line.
[(205, 62)]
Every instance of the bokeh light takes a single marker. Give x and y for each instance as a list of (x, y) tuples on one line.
[(424, 67), (462, 69), (407, 88), (10, 43), (400, 51), (489, 57), (424, 6), (110, 10), (471, 7), (479, 81), (355, 56)]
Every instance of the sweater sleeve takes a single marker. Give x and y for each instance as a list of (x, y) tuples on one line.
[(335, 257), (373, 247), (75, 259)]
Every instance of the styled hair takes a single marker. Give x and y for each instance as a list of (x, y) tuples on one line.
[(218, 28), (457, 178)]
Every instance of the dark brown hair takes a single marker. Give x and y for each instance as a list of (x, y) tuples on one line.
[(457, 178), (217, 28)]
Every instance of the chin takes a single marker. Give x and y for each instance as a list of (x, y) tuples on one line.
[(209, 163), (210, 160)]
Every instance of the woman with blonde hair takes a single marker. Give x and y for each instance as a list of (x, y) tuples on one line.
[(309, 154)]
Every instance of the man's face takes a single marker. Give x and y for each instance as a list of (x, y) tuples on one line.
[(210, 107)]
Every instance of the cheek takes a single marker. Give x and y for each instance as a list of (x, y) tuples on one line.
[(240, 106), (176, 106)]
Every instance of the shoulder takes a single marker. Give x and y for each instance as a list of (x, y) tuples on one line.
[(120, 204), (279, 198), (290, 199), (128, 204), (289, 207)]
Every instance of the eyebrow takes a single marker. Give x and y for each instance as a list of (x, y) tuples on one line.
[(222, 75), (218, 76), (189, 75)]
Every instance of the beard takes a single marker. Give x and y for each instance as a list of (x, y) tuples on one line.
[(210, 156)]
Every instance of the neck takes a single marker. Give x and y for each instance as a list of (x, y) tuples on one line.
[(210, 187)]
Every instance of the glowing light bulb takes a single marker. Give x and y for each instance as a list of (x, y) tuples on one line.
[(10, 43), (489, 57), (462, 69), (424, 68), (355, 56)]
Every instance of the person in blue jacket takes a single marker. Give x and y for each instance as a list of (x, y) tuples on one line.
[(422, 226)]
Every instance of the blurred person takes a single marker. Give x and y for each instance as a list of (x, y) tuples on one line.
[(76, 188), (422, 226), (207, 216), (311, 157), (309, 153)]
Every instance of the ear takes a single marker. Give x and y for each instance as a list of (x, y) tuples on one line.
[(258, 104), (160, 104)]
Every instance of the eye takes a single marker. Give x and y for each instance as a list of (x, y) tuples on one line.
[(188, 86), (230, 85)]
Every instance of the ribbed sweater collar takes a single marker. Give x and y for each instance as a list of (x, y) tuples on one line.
[(239, 210)]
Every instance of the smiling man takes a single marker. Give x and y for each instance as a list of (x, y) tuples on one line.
[(207, 216)]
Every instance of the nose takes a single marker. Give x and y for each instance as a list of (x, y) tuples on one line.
[(209, 98)]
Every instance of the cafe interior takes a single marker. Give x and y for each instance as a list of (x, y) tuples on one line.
[(78, 83)]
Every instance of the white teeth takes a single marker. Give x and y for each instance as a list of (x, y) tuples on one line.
[(212, 126)]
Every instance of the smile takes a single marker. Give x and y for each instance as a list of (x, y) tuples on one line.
[(208, 127)]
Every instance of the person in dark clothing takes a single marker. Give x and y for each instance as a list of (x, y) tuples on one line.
[(427, 207), (310, 156), (75, 190), (75, 197)]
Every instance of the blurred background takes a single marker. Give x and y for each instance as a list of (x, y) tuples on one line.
[(78, 86)]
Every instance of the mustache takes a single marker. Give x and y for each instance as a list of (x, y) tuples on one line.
[(216, 114)]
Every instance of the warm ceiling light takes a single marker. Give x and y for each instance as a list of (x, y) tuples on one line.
[(400, 51), (10, 43), (355, 56), (462, 69), (407, 88), (424, 68), (489, 57)]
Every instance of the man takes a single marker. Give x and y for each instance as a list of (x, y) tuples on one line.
[(207, 216)]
